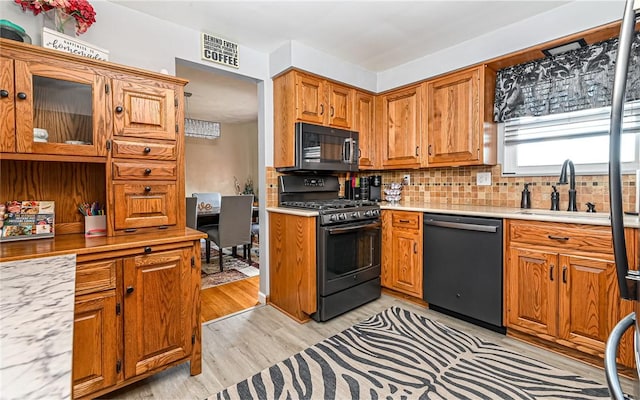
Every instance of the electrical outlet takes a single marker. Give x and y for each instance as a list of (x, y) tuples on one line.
[(483, 179), (407, 179)]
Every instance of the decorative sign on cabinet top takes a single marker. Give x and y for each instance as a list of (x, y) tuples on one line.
[(58, 41), (220, 50)]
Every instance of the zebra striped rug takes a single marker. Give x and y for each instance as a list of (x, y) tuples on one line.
[(398, 354)]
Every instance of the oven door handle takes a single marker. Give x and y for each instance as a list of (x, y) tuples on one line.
[(354, 227)]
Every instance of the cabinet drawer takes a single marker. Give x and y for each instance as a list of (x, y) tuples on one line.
[(95, 277), (590, 238), (145, 205), (407, 220), (148, 150), (127, 170)]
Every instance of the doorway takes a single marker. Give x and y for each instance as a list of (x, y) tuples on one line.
[(228, 165)]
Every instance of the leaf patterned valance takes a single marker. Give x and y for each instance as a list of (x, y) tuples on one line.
[(575, 80)]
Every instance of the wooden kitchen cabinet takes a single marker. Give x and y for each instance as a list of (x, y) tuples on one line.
[(137, 311), (402, 251), (96, 322), (65, 103), (124, 125), (303, 97), (399, 116), (323, 102), (561, 285), (144, 110), (292, 265), (364, 124), (137, 298), (459, 118), (157, 318)]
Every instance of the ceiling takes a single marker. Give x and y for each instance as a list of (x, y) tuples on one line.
[(375, 35)]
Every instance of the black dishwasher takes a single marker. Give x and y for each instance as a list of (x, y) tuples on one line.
[(463, 268)]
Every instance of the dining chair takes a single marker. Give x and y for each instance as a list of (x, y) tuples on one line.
[(207, 200), (192, 212), (234, 227)]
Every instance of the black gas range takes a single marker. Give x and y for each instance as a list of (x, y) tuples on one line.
[(322, 194), (348, 244)]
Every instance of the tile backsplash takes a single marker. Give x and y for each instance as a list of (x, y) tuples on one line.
[(458, 186)]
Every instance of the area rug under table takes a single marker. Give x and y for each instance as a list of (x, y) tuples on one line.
[(234, 268), (399, 354)]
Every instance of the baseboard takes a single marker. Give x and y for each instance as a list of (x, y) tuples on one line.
[(262, 298)]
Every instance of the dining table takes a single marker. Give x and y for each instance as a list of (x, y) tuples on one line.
[(211, 215)]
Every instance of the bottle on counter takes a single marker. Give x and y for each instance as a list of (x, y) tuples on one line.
[(525, 201)]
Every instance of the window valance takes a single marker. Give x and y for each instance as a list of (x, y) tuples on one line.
[(576, 80)]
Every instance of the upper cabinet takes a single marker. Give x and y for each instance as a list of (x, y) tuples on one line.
[(52, 109), (399, 116), (459, 125), (302, 97), (364, 124), (322, 102), (145, 111)]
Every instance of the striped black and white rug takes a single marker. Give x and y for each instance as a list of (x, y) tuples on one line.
[(398, 354)]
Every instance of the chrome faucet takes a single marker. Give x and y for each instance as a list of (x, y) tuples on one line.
[(572, 187)]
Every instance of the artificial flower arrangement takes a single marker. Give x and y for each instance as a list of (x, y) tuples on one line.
[(80, 10)]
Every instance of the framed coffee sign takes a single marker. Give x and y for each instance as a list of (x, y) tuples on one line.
[(219, 50)]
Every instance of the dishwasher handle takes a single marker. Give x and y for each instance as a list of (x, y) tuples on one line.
[(461, 225)]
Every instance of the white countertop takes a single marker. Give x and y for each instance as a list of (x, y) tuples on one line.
[(579, 217), (36, 332)]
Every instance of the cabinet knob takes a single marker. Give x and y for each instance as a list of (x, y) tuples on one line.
[(147, 171), (22, 95), (129, 289), (119, 109), (147, 249), (4, 93), (147, 188), (147, 150)]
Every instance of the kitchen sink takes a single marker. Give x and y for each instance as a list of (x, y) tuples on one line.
[(565, 214)]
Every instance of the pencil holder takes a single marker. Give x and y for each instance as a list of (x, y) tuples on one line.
[(95, 225)]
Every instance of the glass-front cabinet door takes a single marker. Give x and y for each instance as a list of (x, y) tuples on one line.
[(59, 111)]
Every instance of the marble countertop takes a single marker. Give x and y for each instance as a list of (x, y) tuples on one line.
[(579, 217), (36, 333)]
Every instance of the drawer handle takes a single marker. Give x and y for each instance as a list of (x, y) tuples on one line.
[(321, 109), (130, 230), (129, 289), (147, 171), (415, 248), (561, 238), (22, 95), (147, 189), (551, 267), (4, 93), (147, 249), (564, 274), (404, 221), (147, 150), (119, 109)]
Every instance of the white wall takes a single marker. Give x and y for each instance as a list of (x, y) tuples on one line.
[(574, 17), (211, 165)]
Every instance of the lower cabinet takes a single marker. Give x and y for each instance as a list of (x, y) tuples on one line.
[(558, 289), (136, 312), (402, 251)]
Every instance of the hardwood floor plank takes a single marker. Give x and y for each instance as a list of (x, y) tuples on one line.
[(237, 347), (229, 298)]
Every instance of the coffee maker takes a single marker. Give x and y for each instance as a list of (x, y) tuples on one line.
[(375, 187)]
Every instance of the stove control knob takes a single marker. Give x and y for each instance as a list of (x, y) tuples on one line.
[(368, 213), (342, 216), (355, 215), (332, 218)]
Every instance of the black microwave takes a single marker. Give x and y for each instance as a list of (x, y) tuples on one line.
[(323, 148)]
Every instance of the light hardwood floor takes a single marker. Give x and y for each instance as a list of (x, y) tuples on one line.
[(222, 300), (243, 344)]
